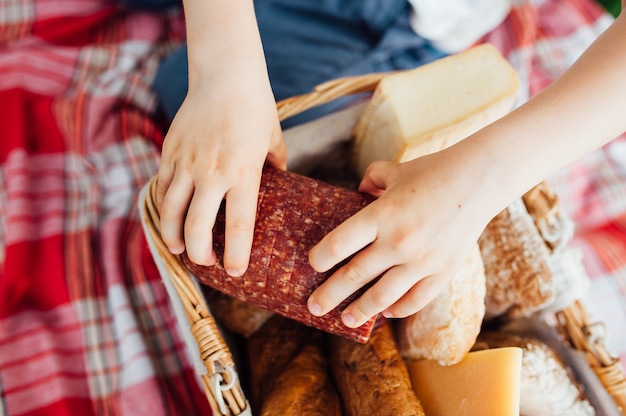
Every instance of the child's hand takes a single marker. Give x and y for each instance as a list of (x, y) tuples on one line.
[(415, 236), (215, 149)]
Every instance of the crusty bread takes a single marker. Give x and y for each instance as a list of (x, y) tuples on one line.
[(372, 378), (519, 280), (447, 327), (270, 350), (238, 316), (305, 386), (548, 387)]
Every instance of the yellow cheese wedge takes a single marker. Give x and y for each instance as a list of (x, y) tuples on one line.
[(424, 110), (485, 383)]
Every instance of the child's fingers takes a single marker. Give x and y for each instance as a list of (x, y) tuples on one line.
[(420, 295), (376, 178), (385, 292), (358, 272), (277, 155), (165, 175), (346, 239), (241, 206), (198, 228), (176, 198)]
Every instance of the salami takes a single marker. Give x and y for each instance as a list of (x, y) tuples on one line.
[(294, 212)]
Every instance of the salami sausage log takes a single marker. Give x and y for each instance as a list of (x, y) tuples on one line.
[(294, 212)]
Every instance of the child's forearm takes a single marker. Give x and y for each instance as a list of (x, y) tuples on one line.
[(581, 111), (221, 33)]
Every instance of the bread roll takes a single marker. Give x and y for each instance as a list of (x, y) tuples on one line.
[(446, 329), (238, 316), (569, 277), (519, 280)]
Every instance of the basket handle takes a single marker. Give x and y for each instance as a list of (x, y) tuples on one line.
[(583, 335), (327, 92)]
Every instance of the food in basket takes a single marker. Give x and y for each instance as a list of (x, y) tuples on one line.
[(294, 213), (519, 279), (289, 373), (548, 387), (447, 327), (569, 277), (270, 350), (426, 109), (485, 383), (238, 316), (372, 378)]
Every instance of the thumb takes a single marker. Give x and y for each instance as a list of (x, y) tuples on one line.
[(377, 178), (277, 155)]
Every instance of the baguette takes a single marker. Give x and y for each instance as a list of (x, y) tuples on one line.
[(372, 378), (305, 387)]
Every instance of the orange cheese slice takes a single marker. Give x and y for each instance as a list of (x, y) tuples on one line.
[(485, 383)]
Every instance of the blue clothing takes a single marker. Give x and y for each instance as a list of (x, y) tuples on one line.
[(308, 42)]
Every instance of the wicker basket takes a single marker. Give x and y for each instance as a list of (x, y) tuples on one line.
[(210, 350)]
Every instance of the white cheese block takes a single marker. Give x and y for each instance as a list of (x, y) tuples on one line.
[(427, 109)]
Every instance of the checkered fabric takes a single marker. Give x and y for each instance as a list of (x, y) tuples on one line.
[(86, 327)]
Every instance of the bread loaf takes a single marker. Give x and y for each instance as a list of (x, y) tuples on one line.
[(519, 280), (238, 316), (270, 350), (372, 378), (446, 329), (429, 108), (304, 387)]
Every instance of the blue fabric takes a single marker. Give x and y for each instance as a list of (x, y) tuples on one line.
[(307, 42)]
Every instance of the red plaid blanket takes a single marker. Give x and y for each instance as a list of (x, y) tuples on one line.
[(86, 327)]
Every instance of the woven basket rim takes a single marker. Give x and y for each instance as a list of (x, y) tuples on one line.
[(226, 396)]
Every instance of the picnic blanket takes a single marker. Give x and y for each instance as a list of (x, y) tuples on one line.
[(86, 326)]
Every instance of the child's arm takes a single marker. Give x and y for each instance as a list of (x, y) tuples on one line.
[(220, 137), (432, 210)]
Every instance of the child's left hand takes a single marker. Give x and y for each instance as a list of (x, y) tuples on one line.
[(429, 215)]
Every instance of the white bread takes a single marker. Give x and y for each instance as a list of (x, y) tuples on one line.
[(519, 280), (447, 327), (429, 108)]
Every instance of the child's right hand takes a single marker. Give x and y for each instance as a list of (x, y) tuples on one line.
[(214, 150), (225, 130)]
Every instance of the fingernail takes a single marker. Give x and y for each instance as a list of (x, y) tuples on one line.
[(175, 250), (213, 259), (348, 320), (387, 314), (233, 272), (315, 308)]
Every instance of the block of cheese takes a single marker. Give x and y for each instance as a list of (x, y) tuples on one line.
[(485, 383), (424, 110)]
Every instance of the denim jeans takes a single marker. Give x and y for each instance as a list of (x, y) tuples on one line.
[(307, 42)]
